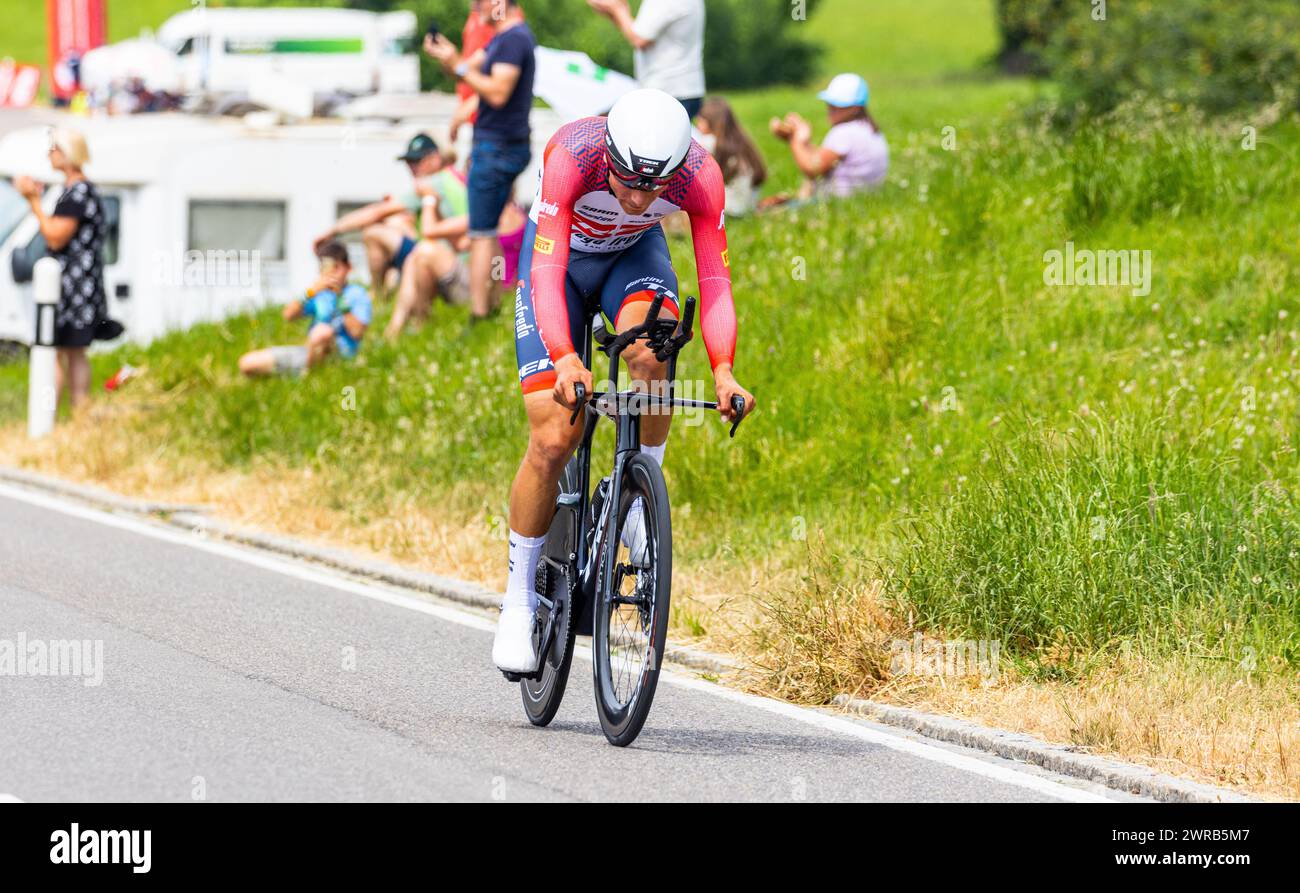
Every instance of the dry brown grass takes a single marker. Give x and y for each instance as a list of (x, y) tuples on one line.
[(810, 638), (806, 634), (1218, 727)]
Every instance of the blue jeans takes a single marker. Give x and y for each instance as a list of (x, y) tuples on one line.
[(494, 166)]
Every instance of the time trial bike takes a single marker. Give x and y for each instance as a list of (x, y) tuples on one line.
[(596, 576)]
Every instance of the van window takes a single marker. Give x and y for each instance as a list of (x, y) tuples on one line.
[(238, 226), (343, 208), (186, 48), (13, 208), (261, 46), (352, 241), (113, 219)]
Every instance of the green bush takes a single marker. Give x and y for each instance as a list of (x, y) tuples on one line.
[(1027, 27), (749, 43), (1205, 53)]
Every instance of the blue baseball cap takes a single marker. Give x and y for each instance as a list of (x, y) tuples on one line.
[(845, 91)]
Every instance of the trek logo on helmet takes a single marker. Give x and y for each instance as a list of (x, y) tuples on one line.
[(639, 172), (648, 167)]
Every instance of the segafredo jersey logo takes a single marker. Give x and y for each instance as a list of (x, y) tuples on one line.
[(88, 847)]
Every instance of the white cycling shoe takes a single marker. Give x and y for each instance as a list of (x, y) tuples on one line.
[(512, 650), (634, 535)]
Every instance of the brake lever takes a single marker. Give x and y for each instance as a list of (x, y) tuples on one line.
[(580, 392), (737, 412), (683, 335), (655, 306), (688, 318)]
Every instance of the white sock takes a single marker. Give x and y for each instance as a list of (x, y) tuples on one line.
[(656, 452), (525, 553), (633, 535)]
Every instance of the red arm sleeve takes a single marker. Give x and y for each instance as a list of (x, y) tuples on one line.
[(561, 186), (706, 205)]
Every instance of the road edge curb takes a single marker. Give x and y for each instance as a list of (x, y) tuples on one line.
[(1063, 760)]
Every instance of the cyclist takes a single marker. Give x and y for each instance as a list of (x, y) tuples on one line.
[(594, 243)]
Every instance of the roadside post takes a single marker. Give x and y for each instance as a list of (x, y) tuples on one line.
[(42, 396)]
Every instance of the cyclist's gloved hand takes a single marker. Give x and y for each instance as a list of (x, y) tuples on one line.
[(727, 387), (569, 371)]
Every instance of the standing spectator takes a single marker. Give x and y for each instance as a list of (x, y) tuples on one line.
[(668, 36), (743, 170), (474, 38), (74, 234), (339, 312), (501, 149), (853, 157)]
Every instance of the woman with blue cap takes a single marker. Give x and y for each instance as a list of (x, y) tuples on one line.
[(853, 157)]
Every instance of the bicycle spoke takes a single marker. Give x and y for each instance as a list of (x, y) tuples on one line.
[(631, 621)]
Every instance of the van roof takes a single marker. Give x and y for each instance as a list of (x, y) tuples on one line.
[(132, 149), (301, 21)]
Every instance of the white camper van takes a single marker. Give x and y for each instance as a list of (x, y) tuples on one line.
[(324, 50), (208, 217)]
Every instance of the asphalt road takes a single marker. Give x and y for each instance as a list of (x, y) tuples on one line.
[(229, 675)]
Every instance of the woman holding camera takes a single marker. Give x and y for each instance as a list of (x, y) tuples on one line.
[(74, 234)]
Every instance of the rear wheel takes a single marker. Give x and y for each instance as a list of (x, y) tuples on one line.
[(631, 610)]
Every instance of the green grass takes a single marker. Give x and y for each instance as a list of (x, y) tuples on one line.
[(1073, 470), (22, 23)]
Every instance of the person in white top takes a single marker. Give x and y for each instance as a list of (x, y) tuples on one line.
[(854, 156), (668, 36)]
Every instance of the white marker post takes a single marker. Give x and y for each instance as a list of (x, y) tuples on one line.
[(42, 395)]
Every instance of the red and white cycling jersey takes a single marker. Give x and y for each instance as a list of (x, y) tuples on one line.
[(574, 209), (601, 226)]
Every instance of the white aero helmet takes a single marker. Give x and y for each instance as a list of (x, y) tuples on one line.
[(647, 137)]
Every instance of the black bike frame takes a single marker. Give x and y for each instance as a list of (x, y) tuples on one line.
[(625, 409)]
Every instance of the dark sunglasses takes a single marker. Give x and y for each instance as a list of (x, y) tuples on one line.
[(639, 181)]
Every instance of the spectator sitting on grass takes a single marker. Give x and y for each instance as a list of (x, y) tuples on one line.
[(853, 157), (339, 313), (435, 269), (743, 170), (389, 227)]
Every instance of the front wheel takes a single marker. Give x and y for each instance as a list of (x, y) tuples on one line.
[(631, 611)]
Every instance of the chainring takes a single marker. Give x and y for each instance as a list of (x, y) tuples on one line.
[(556, 583)]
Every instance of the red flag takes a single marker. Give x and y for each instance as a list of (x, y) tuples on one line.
[(18, 84), (74, 27)]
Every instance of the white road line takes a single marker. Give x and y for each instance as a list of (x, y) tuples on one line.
[(993, 771), (9, 798)]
